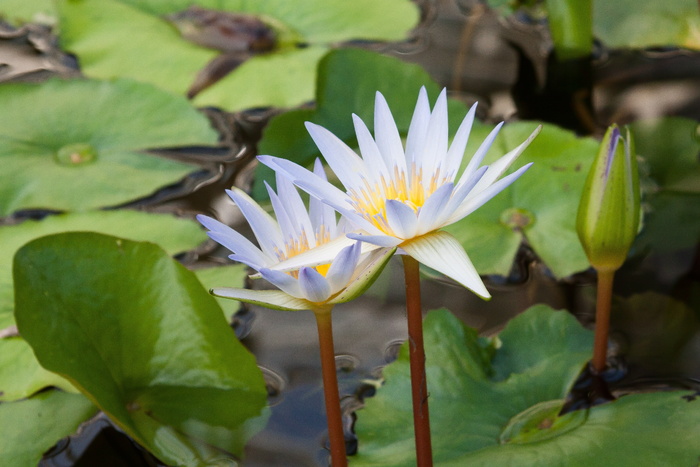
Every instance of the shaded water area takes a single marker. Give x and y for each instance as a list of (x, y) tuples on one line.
[(501, 64)]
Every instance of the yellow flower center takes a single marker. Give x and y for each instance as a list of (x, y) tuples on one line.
[(294, 246)]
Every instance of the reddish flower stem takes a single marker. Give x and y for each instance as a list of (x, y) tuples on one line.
[(602, 319), (324, 324), (419, 386)]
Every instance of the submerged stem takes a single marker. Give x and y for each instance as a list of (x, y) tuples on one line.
[(324, 324), (419, 386), (602, 319)]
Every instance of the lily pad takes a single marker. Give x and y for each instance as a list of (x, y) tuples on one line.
[(29, 428), (503, 411), (137, 333), (26, 11), (230, 275), (133, 39), (77, 145), (629, 23), (540, 207)]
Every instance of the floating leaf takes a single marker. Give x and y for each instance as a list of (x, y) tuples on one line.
[(76, 145), (26, 11), (629, 23), (503, 411), (30, 427), (139, 335), (133, 39), (231, 275)]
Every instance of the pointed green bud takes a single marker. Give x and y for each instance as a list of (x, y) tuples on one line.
[(608, 216)]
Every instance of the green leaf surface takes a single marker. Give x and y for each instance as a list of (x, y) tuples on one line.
[(347, 83), (30, 427), (503, 411), (137, 333), (132, 38), (540, 207), (630, 23), (231, 275), (474, 392), (18, 12), (77, 145)]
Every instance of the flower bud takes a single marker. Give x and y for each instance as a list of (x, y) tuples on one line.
[(608, 215)]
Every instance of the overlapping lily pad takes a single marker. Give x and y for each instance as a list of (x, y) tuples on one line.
[(76, 145), (20, 373), (502, 409), (132, 38), (29, 428), (230, 275), (138, 334)]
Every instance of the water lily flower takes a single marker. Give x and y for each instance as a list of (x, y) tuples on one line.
[(401, 197), (295, 231), (608, 215)]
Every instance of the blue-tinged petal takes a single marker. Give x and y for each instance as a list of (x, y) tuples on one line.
[(415, 140), (248, 261), (402, 219), (478, 156), (368, 271), (376, 168), (232, 240), (477, 199), (431, 213), (459, 143), (322, 254), (263, 225), (344, 162), (282, 281), (343, 267), (435, 149), (313, 285), (387, 135), (501, 165), (378, 240), (462, 190), (286, 226), (322, 215), (294, 206), (275, 299), (441, 251)]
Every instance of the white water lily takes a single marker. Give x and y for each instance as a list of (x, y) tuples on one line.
[(295, 231), (401, 197)]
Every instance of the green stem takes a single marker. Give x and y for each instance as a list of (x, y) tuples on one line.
[(334, 418), (419, 386), (602, 319)]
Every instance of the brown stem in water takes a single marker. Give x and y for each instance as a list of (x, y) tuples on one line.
[(419, 386), (324, 324), (602, 319)]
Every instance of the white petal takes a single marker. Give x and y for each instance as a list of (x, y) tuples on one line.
[(321, 214), (478, 199), (275, 299), (369, 270), (376, 168), (459, 143), (313, 285), (287, 227), (464, 188), (478, 156), (441, 251), (343, 267), (282, 281), (402, 219), (264, 226), (432, 210), (294, 206), (387, 135), (435, 150), (322, 254), (344, 162), (232, 240), (378, 240), (415, 140), (248, 261)]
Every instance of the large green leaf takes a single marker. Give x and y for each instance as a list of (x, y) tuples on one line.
[(472, 395), (230, 275), (76, 145), (29, 428), (630, 23), (503, 411), (131, 38), (540, 207), (25, 11), (137, 333)]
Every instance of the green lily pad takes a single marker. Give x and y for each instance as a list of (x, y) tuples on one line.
[(137, 333), (629, 23), (132, 39), (29, 428), (503, 410), (347, 83), (540, 207), (475, 387), (230, 275), (77, 145), (28, 11)]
